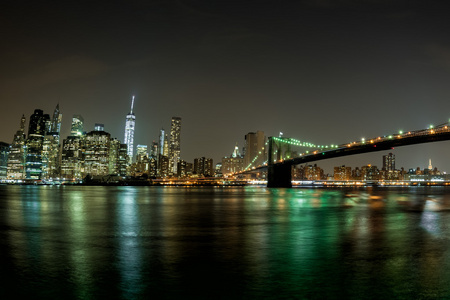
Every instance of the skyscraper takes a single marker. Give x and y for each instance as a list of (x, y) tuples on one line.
[(16, 158), (77, 126), (129, 132), (175, 143), (389, 162), (51, 147), (37, 129), (4, 152), (254, 149), (161, 141), (56, 121)]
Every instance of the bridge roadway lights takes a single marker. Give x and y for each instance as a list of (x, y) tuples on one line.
[(279, 176)]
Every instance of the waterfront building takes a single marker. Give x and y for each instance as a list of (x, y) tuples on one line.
[(254, 149), (122, 160), (4, 152), (175, 144), (233, 163), (388, 170), (152, 167), (356, 174), (50, 156), (297, 172), (342, 173), (204, 167), (181, 169), (77, 128), (130, 123), (163, 166), (51, 147), (72, 158), (163, 156), (17, 154), (313, 172), (118, 158), (189, 169), (389, 162), (96, 153), (370, 172), (37, 128), (218, 170)]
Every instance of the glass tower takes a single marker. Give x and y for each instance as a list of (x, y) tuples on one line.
[(129, 132)]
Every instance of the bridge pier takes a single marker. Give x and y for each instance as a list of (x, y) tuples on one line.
[(279, 176)]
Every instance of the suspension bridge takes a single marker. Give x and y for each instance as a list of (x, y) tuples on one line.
[(280, 156)]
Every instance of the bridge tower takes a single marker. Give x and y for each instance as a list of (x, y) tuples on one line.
[(278, 174)]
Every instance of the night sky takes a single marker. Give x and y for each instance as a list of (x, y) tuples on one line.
[(326, 72)]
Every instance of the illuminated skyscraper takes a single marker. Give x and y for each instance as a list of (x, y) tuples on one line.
[(203, 166), (56, 122), (254, 149), (16, 158), (96, 153), (4, 152), (129, 132), (77, 128), (51, 147), (389, 162), (161, 141), (37, 129), (175, 143)]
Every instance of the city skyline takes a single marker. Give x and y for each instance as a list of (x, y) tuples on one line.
[(47, 132), (322, 71)]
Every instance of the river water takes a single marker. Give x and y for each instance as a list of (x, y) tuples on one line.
[(86, 242)]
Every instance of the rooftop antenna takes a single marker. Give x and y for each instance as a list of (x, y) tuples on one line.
[(132, 104)]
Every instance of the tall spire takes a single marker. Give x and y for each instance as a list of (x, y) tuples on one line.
[(132, 104)]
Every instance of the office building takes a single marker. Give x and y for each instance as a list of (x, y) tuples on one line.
[(72, 158), (370, 172), (37, 128), (50, 156), (342, 173), (51, 147), (130, 123), (118, 158), (96, 153), (233, 163), (204, 167), (389, 162), (77, 127), (17, 154), (254, 149), (4, 152), (175, 144)]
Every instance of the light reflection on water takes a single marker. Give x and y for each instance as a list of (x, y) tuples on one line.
[(240, 242)]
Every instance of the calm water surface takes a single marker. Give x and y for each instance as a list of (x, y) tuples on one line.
[(73, 242)]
